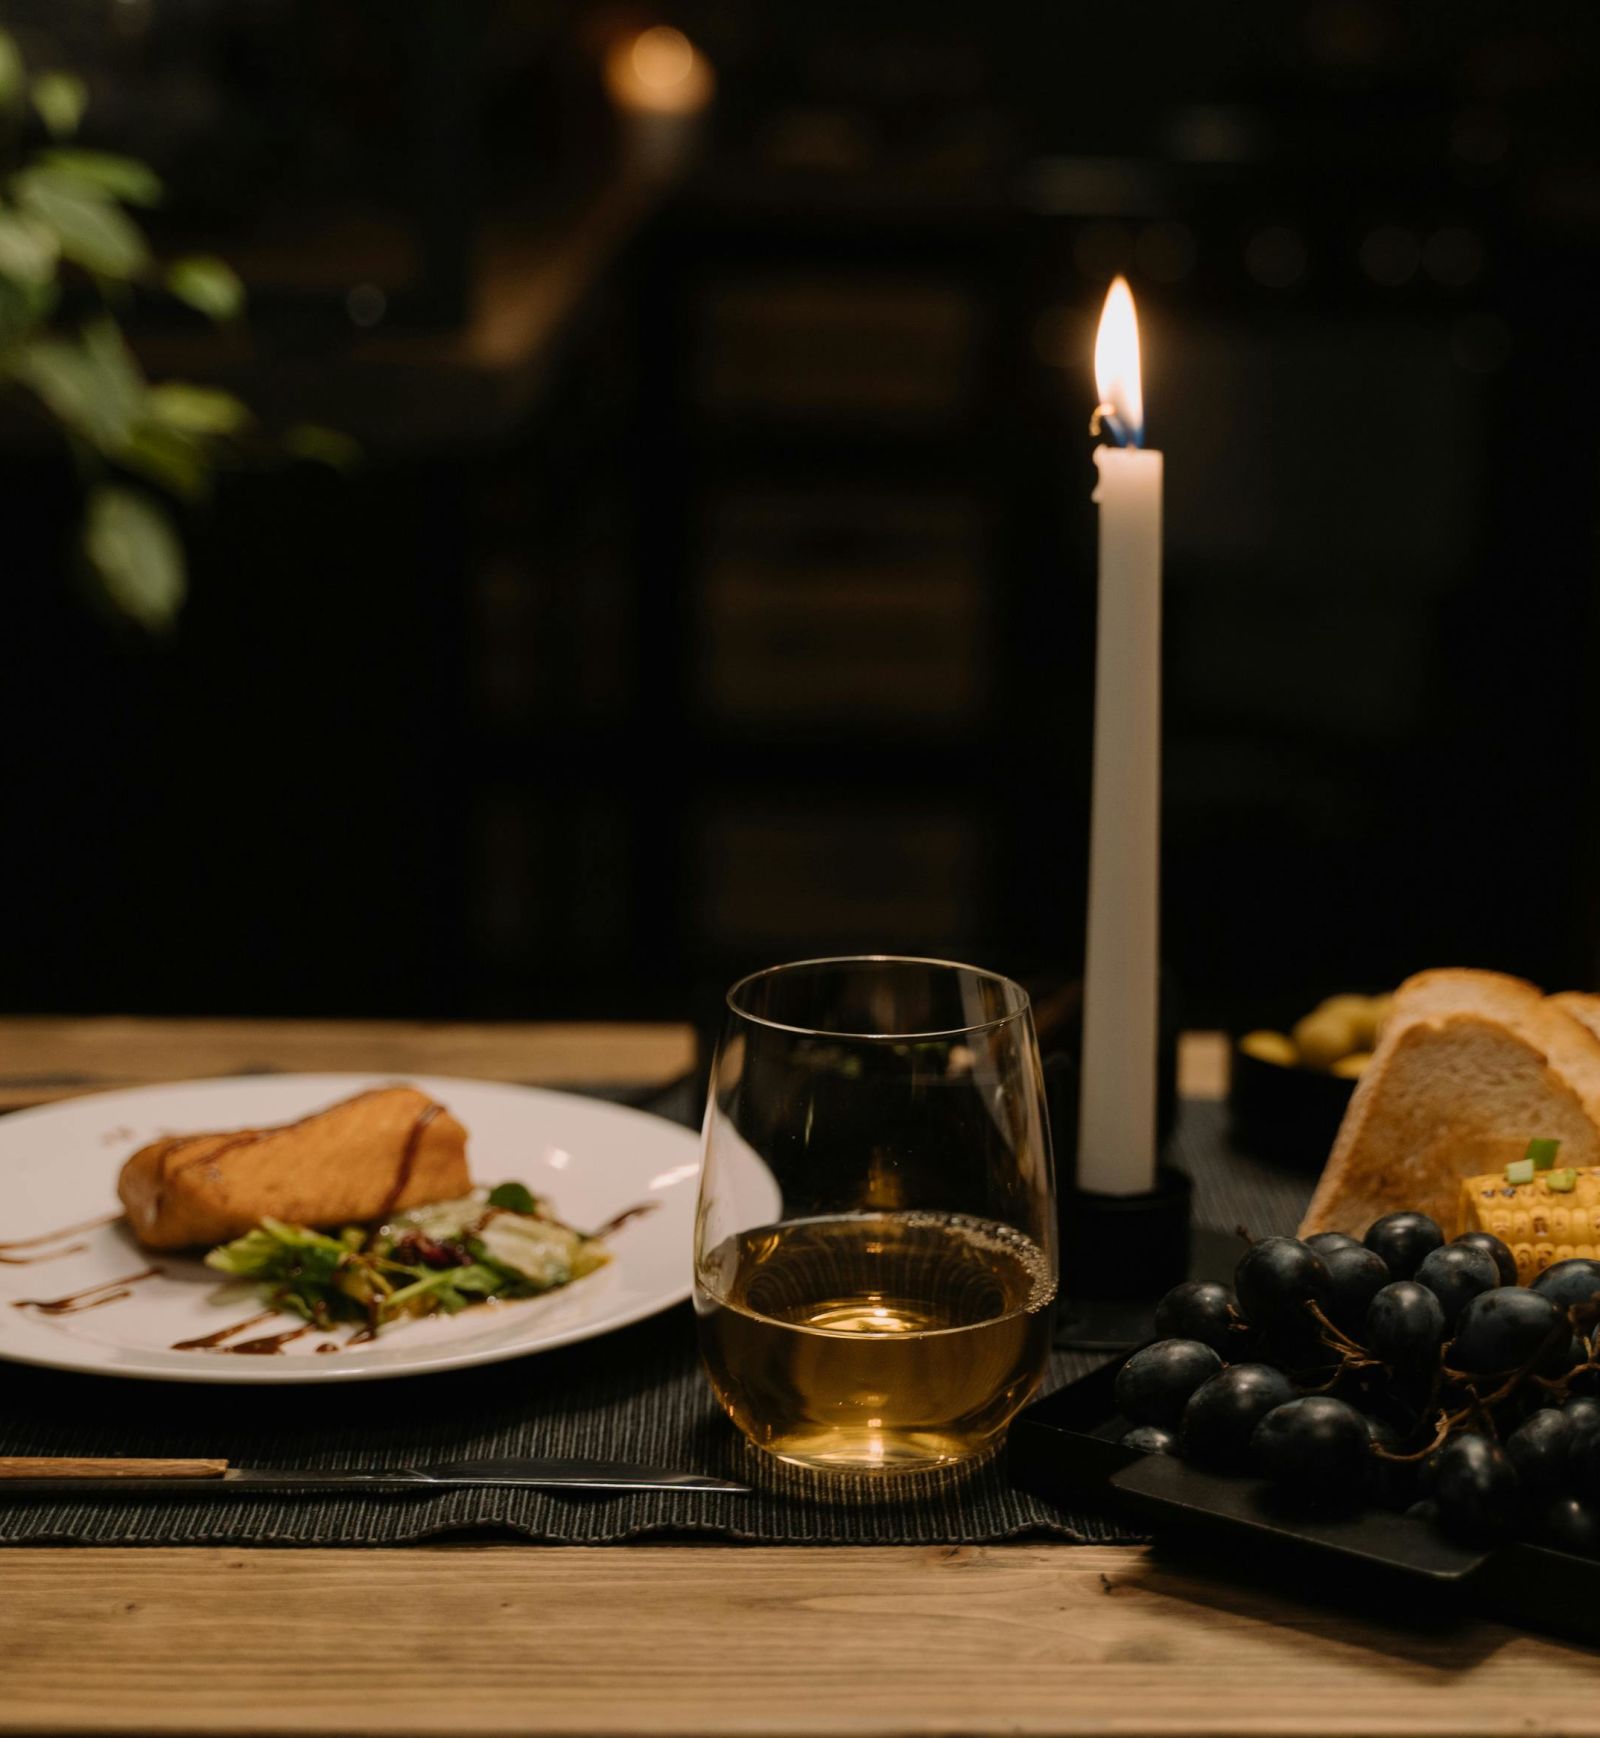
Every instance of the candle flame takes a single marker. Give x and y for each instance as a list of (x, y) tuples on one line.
[(1116, 365), (662, 57), (658, 71)]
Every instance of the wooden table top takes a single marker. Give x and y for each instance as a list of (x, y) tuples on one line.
[(694, 1639)]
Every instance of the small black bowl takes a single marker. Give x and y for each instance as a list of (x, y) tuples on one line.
[(1286, 1115)]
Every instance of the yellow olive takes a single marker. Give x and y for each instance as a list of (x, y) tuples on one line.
[(1323, 1037), (1366, 1012), (1269, 1047), (1349, 1067)]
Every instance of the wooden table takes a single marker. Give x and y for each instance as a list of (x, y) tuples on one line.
[(704, 1639)]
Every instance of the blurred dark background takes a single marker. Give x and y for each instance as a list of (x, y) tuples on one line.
[(718, 586)]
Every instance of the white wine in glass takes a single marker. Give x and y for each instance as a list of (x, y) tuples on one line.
[(875, 1246)]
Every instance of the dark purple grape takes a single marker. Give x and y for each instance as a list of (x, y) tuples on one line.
[(1569, 1282), (1150, 1439), (1154, 1386), (1402, 1240), (1500, 1330), (1392, 1483), (1568, 1524), (1323, 1241), (1585, 1463), (1424, 1509), (1583, 1427), (1315, 1447), (1505, 1263), (1356, 1276), (1200, 1309), (1540, 1449), (1456, 1275), (1585, 1382), (1475, 1486), (1565, 1352), (1405, 1325), (1276, 1278), (1222, 1413)]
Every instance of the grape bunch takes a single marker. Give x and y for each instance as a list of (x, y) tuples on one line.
[(1401, 1371)]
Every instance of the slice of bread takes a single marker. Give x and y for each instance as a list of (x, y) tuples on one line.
[(1471, 1067), (1583, 1008), (363, 1158)]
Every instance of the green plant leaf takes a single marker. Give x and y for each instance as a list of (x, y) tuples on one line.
[(114, 380), (132, 547), (60, 98), (118, 375), (322, 446), (28, 249), (207, 284), (201, 410), (92, 232), (124, 178), (70, 386), (170, 457), (92, 384), (23, 307), (12, 77)]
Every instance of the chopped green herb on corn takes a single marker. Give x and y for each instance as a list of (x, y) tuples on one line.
[(1543, 1153), (1542, 1218)]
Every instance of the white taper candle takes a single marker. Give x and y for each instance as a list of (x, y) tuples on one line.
[(1117, 1115)]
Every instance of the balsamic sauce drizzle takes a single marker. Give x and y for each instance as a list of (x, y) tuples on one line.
[(90, 1298), (43, 1255), (618, 1220), (408, 1159), (213, 1342), (9, 1260), (269, 1343)]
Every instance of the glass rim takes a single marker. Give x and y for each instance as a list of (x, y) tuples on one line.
[(1023, 1008)]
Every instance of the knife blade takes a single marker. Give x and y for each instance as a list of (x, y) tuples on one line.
[(42, 1476)]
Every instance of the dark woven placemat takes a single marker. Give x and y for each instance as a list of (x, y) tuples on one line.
[(635, 1395)]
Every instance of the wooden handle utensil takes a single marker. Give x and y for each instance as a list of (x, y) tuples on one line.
[(28, 1466)]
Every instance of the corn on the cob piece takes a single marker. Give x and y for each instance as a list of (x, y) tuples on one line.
[(1541, 1225)]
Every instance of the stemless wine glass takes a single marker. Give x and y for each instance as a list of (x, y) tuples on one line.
[(875, 1253)]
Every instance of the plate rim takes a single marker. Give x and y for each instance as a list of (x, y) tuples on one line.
[(264, 1373)]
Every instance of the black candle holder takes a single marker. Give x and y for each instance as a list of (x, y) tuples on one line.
[(1119, 1254), (1123, 1248)]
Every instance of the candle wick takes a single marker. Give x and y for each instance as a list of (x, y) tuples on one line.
[(1106, 421)]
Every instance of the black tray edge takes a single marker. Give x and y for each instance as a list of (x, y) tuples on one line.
[(1063, 1448)]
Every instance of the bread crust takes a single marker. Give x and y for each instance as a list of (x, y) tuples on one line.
[(377, 1153), (1581, 1006), (1470, 1067)]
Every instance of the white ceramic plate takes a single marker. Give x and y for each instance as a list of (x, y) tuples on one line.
[(59, 1165)]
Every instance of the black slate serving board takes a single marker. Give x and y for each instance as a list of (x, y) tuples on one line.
[(1066, 1449)]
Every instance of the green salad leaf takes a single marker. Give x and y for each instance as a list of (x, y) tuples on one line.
[(514, 1197), (436, 1259)]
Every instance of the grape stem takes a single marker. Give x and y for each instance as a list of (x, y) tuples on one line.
[(1447, 1422), (1353, 1356), (1482, 1405), (1334, 1337), (1561, 1386)]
